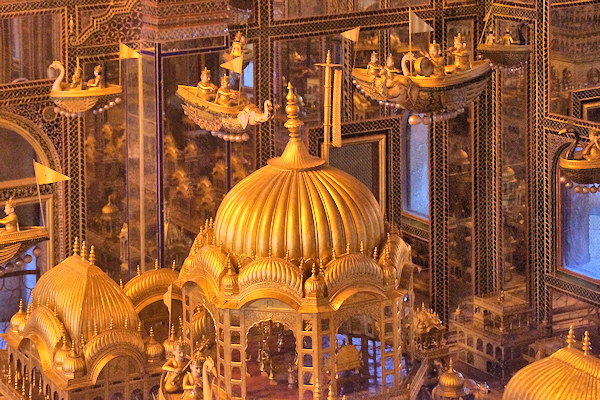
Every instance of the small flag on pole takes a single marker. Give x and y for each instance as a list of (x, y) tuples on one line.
[(45, 175), (168, 297), (127, 52), (487, 16), (235, 65), (352, 34), (417, 25)]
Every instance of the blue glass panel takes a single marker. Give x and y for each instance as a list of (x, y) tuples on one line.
[(581, 232), (416, 177)]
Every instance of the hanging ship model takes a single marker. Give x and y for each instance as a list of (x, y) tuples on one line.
[(76, 97), (505, 52), (224, 109), (579, 162), (426, 84)]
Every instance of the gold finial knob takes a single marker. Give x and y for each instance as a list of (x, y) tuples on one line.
[(347, 247), (375, 253), (570, 338), (587, 345), (82, 252), (328, 58), (156, 264), (292, 109), (21, 305), (92, 256), (121, 284), (450, 366), (76, 246), (362, 247), (314, 269), (173, 266), (139, 270)]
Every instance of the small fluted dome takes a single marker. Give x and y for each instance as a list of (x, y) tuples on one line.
[(150, 285), (74, 364), (230, 280), (154, 350), (348, 266), (84, 297), (170, 342), (451, 384), (315, 284), (298, 205), (17, 322), (61, 354), (276, 271)]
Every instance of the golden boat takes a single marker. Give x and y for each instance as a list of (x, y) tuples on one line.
[(507, 56), (211, 116), (14, 243), (421, 94), (81, 100)]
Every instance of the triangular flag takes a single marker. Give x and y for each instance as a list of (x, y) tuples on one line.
[(44, 175), (417, 25), (235, 65), (127, 52), (487, 16), (168, 297), (352, 34)]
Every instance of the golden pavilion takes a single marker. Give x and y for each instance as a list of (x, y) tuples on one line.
[(303, 280)]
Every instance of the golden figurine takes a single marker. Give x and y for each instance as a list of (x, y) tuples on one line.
[(205, 89), (238, 45), (76, 79), (490, 39), (373, 66), (175, 369), (98, 81), (225, 95), (192, 381), (507, 40), (390, 69), (460, 53), (10, 222)]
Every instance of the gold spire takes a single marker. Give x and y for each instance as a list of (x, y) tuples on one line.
[(333, 255), (156, 264), (121, 284), (347, 247), (450, 365), (21, 305), (139, 270), (173, 266), (362, 247), (570, 338), (375, 253), (92, 256), (76, 246), (292, 109), (587, 345), (82, 252)]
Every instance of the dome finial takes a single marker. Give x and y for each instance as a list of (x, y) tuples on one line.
[(292, 109), (156, 264), (570, 338), (121, 284), (76, 246), (450, 365), (82, 252), (139, 270), (333, 255), (92, 256), (347, 247), (587, 345), (173, 266), (362, 247), (375, 253), (20, 305)]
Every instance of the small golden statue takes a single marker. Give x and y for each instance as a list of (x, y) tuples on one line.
[(390, 69), (238, 45), (507, 40), (436, 58), (373, 66), (98, 81), (175, 369), (192, 381), (76, 80), (460, 52), (490, 39), (205, 89), (10, 222), (225, 95)]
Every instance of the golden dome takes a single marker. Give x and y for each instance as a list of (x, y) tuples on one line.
[(17, 322), (298, 205), (451, 384), (150, 286), (315, 284), (569, 373), (169, 343), (109, 210), (154, 350), (73, 364), (351, 269), (272, 271), (230, 280), (61, 354), (84, 298)]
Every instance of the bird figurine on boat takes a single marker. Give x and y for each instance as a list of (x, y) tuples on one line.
[(75, 97)]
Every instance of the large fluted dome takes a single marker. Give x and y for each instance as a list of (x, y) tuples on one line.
[(85, 298), (301, 206)]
